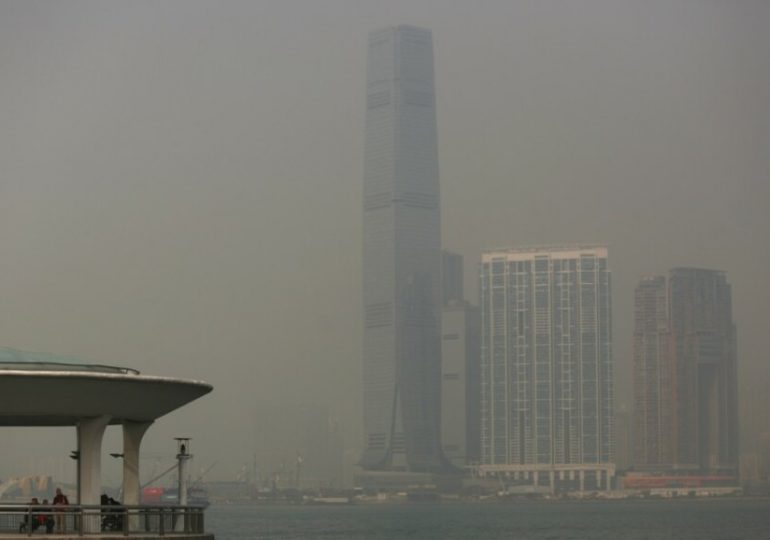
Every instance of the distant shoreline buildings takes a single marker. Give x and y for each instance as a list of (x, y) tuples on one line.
[(520, 388)]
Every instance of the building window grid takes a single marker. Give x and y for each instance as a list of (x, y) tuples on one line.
[(519, 356)]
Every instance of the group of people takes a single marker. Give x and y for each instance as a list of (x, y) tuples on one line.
[(35, 520), (50, 517)]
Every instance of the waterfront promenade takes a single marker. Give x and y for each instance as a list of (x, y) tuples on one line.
[(42, 390)]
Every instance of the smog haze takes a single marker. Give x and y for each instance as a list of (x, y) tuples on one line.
[(181, 186)]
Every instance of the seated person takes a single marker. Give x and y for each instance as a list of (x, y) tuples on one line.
[(35, 522), (45, 518), (112, 519)]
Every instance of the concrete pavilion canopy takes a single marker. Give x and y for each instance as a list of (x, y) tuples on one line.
[(38, 389)]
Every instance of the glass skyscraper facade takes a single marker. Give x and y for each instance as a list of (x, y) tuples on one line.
[(401, 255), (546, 362)]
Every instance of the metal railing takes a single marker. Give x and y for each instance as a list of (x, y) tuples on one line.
[(91, 520)]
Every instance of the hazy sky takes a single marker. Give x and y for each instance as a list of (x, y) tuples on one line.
[(180, 182)]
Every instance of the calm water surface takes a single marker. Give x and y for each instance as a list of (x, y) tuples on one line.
[(561, 520)]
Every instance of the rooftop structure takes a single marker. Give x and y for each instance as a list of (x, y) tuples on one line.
[(553, 251)]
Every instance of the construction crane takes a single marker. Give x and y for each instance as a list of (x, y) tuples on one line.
[(202, 474), (158, 477)]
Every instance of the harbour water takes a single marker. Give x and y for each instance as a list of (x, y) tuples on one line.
[(719, 519)]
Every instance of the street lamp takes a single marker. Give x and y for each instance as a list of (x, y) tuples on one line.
[(182, 455), (75, 454)]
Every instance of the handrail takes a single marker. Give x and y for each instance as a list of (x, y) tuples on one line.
[(52, 507), (94, 519)]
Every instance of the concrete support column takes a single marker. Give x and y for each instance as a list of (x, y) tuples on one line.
[(132, 441), (609, 480), (90, 433), (582, 480), (552, 480)]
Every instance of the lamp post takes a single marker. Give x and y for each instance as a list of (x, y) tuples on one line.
[(183, 454), (75, 454), (119, 455)]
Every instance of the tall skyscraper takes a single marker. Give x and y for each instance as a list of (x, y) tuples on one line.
[(652, 371), (401, 255), (705, 420), (546, 368)]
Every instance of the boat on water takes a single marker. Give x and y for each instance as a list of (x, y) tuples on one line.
[(328, 500), (196, 496)]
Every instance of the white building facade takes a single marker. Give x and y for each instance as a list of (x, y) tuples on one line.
[(546, 366)]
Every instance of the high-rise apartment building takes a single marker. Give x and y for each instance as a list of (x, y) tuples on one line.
[(320, 456), (401, 255), (705, 419), (451, 277), (460, 384), (685, 374), (623, 441), (546, 366), (652, 372)]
